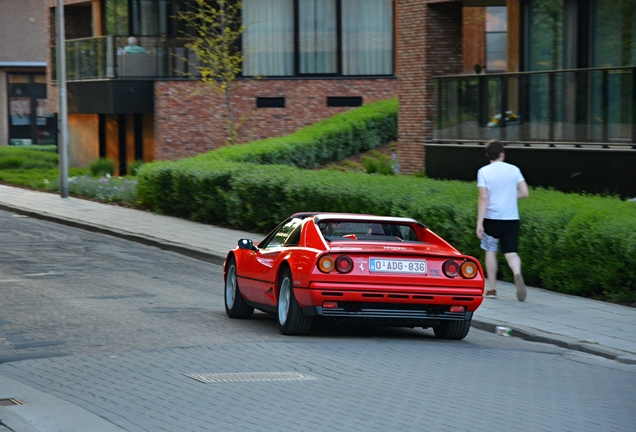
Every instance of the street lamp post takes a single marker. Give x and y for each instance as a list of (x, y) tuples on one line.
[(63, 109)]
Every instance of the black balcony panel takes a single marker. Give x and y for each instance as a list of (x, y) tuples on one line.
[(111, 97), (580, 108)]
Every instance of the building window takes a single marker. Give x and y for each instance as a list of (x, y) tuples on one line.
[(318, 37), (116, 17), (30, 122), (614, 33), (545, 38), (496, 47), (367, 37), (268, 42)]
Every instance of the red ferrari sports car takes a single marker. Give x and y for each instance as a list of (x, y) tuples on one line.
[(354, 268)]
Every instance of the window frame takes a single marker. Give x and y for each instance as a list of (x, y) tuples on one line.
[(339, 73)]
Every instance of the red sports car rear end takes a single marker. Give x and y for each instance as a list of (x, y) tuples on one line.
[(355, 268)]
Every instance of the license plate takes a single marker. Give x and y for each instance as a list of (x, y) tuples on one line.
[(397, 266)]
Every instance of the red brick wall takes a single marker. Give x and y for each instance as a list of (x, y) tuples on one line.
[(429, 43), (187, 123), (474, 45)]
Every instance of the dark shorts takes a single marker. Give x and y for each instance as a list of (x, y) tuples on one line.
[(505, 232)]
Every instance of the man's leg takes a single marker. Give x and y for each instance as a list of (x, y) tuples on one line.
[(514, 262), (491, 270)]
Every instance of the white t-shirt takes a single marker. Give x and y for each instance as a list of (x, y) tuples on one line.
[(500, 180)]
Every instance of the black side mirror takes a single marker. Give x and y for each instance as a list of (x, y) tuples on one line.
[(247, 244)]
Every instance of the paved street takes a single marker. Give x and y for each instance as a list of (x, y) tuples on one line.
[(336, 379)]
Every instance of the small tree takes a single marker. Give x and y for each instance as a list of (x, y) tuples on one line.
[(214, 34)]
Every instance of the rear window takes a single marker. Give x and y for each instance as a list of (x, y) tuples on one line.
[(367, 231)]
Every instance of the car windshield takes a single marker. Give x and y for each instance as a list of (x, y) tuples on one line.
[(373, 231)]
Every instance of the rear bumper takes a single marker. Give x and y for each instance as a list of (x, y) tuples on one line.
[(388, 314), (399, 306), (403, 300)]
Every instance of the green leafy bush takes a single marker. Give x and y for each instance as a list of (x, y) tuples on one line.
[(330, 140), (581, 245), (102, 167), (378, 163), (10, 162), (133, 167)]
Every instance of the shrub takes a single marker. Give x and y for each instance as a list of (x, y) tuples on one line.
[(101, 167), (582, 245), (133, 167), (10, 162), (330, 140), (378, 163)]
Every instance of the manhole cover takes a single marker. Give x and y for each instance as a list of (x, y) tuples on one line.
[(250, 377)]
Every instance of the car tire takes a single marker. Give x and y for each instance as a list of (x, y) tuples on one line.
[(453, 330), (235, 305), (289, 316)]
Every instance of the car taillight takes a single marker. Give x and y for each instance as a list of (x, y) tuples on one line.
[(468, 269), (326, 264), (344, 264), (450, 268)]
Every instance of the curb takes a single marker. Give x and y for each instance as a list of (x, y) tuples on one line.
[(525, 333), (195, 253), (533, 335)]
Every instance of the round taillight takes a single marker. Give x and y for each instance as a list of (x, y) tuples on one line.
[(344, 264), (468, 269), (450, 268), (326, 264)]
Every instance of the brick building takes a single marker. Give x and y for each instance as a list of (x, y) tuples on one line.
[(556, 81), (24, 118), (321, 57)]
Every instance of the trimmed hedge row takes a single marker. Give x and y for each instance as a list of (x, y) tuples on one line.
[(582, 245), (330, 140)]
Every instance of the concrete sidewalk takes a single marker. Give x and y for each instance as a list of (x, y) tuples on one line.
[(572, 322), (586, 325)]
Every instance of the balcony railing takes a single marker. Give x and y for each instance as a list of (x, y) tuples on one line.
[(104, 58), (584, 108)]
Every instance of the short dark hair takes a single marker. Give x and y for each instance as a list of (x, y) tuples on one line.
[(493, 149)]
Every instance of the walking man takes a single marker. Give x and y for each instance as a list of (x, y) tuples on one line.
[(500, 185)]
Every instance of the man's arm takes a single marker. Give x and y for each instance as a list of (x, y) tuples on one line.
[(482, 203), (522, 190)]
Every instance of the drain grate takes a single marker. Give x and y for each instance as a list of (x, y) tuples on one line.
[(250, 377), (9, 402)]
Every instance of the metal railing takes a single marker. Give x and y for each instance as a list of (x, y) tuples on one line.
[(104, 57), (575, 108)]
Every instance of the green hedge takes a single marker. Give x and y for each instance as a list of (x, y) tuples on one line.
[(330, 140), (582, 245)]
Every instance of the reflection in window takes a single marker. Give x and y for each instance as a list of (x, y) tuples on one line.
[(282, 235), (614, 33), (545, 35), (496, 28), (116, 17)]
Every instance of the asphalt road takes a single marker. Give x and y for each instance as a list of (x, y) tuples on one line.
[(139, 336)]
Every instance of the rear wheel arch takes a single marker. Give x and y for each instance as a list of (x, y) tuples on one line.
[(235, 305), (289, 317)]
